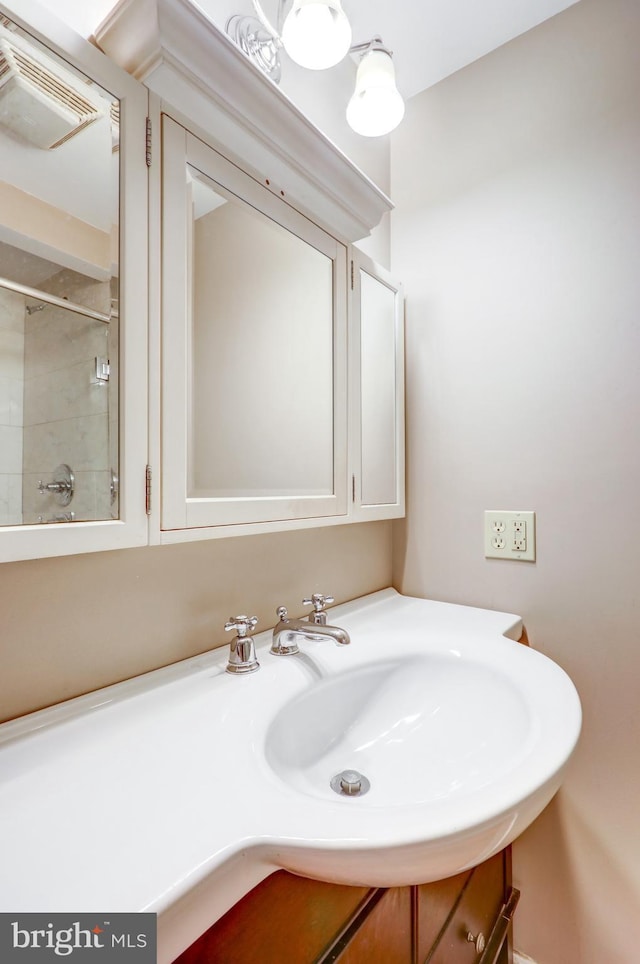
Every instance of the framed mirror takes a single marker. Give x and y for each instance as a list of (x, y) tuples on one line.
[(65, 120), (254, 349), (59, 268), (377, 379)]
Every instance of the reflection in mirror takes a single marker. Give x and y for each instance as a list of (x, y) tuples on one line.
[(59, 199), (261, 422), (378, 391)]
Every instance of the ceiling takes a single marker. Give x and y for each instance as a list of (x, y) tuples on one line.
[(430, 39)]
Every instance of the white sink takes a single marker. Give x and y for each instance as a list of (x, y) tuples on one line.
[(197, 784), (463, 740), (422, 730)]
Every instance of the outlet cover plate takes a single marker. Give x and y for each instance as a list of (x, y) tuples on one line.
[(510, 534)]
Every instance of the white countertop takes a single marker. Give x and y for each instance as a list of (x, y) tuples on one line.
[(153, 794)]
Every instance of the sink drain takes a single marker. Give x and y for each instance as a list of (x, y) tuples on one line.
[(350, 783)]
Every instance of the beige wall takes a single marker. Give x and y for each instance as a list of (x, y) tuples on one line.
[(73, 624), (49, 231), (517, 235)]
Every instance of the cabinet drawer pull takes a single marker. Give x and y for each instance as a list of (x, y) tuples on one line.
[(500, 928), (479, 941)]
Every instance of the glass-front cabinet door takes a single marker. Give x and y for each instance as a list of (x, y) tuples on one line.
[(73, 325), (376, 386), (253, 349)]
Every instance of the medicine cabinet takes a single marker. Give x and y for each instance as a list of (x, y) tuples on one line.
[(73, 292), (254, 349), (227, 340), (263, 345), (259, 376)]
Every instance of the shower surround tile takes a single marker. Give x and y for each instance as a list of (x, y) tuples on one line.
[(65, 393), (66, 413), (11, 401), (10, 499), (80, 442), (11, 354), (12, 315), (57, 339), (10, 449), (11, 311)]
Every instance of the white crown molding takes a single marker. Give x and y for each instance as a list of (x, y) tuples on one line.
[(181, 55)]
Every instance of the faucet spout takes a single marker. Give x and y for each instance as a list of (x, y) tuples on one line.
[(287, 632)]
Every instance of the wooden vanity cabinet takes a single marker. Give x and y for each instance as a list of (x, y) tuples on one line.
[(298, 921), (473, 929), (381, 933)]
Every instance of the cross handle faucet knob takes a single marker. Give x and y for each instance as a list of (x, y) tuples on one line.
[(318, 601), (242, 624)]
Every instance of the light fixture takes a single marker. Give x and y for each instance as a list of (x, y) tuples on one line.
[(376, 106), (316, 34), (258, 43)]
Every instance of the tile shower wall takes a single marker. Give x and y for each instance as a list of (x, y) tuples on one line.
[(66, 409), (11, 393)]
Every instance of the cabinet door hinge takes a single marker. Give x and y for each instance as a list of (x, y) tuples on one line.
[(147, 490), (352, 275), (148, 142)]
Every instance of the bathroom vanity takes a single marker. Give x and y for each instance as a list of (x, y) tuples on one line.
[(201, 787), (211, 796), (462, 920)]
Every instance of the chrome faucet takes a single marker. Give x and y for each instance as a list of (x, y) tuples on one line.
[(242, 653), (287, 632)]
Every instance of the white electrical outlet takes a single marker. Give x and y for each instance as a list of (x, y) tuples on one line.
[(510, 535)]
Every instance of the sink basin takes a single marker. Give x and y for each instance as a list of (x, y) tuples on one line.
[(196, 784), (461, 742), (422, 730)]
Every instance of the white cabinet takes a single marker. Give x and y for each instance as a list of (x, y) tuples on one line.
[(254, 350), (376, 385), (232, 353), (276, 389), (244, 350), (255, 356), (73, 293)]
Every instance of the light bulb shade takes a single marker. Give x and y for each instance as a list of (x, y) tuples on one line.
[(316, 33), (376, 106)]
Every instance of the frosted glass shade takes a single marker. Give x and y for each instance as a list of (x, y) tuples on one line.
[(376, 106), (316, 34)]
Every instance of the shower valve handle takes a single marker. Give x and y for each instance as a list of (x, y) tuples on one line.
[(53, 487), (62, 487)]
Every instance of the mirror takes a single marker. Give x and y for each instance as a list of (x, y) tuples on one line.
[(59, 267), (261, 417), (378, 365), (253, 361)]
